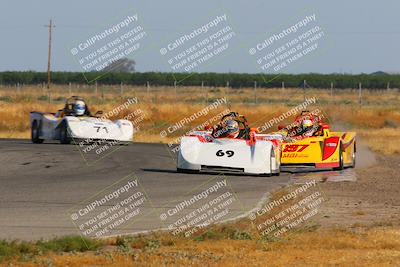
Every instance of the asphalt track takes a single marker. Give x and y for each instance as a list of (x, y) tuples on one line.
[(42, 187), (41, 183)]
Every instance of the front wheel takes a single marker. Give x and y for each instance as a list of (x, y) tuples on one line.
[(64, 135), (353, 157), (35, 133), (179, 170), (341, 165)]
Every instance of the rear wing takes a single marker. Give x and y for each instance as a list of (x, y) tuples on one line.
[(35, 115), (41, 113), (325, 130)]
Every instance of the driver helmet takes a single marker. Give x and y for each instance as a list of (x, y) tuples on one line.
[(306, 124), (232, 128), (308, 127), (79, 107)]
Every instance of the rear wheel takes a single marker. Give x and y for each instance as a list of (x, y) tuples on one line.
[(35, 133), (274, 164), (64, 135)]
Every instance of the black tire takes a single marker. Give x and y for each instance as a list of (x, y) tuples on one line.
[(35, 133), (341, 165), (179, 170), (273, 156), (353, 162), (64, 135), (276, 174)]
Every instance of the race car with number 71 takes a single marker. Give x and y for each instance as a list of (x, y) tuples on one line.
[(75, 123)]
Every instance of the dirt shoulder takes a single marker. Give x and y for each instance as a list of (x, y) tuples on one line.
[(372, 200)]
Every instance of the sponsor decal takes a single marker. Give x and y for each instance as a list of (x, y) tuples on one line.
[(295, 148)]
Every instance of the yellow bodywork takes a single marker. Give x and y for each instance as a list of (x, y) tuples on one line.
[(329, 150)]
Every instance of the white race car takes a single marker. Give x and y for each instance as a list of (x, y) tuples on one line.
[(201, 152), (67, 126)]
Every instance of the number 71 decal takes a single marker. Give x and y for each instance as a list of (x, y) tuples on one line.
[(295, 148), (100, 127)]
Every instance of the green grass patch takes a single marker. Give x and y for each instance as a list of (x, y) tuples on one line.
[(210, 235), (6, 98), (23, 249), (43, 98), (68, 244)]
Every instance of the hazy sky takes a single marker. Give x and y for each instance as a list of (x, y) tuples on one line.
[(359, 36)]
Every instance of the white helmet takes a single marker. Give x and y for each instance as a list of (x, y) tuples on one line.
[(79, 108), (232, 128), (308, 128), (306, 123)]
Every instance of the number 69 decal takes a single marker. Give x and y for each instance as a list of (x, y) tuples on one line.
[(228, 153)]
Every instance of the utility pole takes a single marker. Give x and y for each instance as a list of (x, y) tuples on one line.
[(50, 26)]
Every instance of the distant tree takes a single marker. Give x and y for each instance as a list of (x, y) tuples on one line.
[(121, 65), (379, 73)]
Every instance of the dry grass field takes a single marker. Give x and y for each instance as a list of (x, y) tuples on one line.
[(371, 247), (376, 120)]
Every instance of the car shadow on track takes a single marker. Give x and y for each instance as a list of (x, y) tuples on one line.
[(203, 173), (311, 170)]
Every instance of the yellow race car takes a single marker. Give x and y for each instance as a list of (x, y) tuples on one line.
[(323, 149)]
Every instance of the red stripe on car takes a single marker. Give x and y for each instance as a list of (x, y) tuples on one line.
[(344, 146), (327, 165), (330, 146)]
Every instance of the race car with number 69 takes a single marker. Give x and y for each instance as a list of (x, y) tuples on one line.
[(252, 153)]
